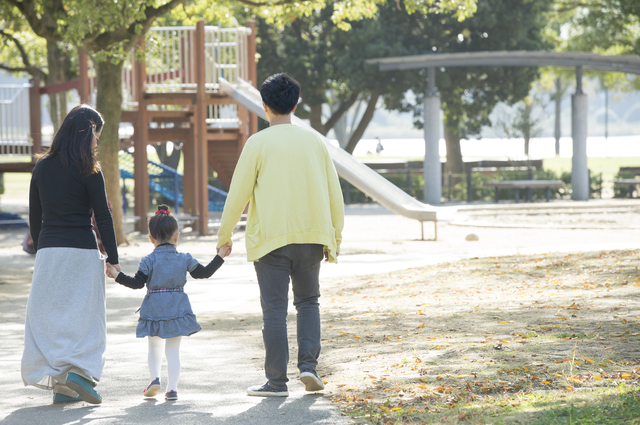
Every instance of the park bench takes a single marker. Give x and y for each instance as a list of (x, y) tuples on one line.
[(524, 184), (628, 182)]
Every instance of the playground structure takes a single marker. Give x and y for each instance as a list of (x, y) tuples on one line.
[(173, 96)]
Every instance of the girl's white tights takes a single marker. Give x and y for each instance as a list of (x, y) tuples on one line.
[(172, 352)]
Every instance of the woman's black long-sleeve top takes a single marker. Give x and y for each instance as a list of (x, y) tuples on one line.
[(61, 202)]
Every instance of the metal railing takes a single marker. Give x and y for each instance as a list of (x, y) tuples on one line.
[(15, 133)]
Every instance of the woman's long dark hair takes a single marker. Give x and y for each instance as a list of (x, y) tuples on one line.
[(74, 140)]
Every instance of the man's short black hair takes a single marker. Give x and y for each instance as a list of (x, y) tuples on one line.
[(280, 93)]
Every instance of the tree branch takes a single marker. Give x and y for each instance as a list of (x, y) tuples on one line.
[(103, 40), (364, 122), (569, 6), (35, 72), (260, 4), (342, 109), (28, 67), (37, 24)]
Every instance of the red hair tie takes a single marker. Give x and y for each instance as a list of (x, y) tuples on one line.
[(167, 212)]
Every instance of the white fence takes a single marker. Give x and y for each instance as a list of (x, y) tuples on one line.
[(15, 134)]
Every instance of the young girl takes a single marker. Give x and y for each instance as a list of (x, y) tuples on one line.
[(165, 314)]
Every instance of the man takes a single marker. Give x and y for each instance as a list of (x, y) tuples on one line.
[(295, 218)]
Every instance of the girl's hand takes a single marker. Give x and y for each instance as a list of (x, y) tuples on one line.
[(224, 250), (113, 270)]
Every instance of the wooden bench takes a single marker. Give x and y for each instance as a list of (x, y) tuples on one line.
[(629, 182), (524, 184)]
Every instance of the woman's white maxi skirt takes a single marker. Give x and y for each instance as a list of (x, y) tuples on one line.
[(66, 326)]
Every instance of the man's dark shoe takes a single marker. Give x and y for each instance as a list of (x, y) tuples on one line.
[(311, 381), (266, 391)]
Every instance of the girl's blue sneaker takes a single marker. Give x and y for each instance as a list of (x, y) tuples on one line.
[(152, 389), (84, 388), (171, 395)]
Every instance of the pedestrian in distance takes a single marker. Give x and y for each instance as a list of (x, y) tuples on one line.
[(165, 313), (295, 218), (65, 329)]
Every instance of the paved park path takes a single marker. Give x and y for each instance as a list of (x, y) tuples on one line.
[(218, 365)]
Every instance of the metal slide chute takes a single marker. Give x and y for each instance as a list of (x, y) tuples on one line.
[(355, 172)]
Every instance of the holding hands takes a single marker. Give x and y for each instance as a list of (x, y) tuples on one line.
[(113, 270), (224, 250)]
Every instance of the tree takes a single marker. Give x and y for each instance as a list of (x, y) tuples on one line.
[(523, 122), (469, 94), (50, 61), (330, 63)]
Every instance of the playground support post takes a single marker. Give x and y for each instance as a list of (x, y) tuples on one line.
[(252, 71), (432, 172), (579, 117), (141, 140), (200, 133)]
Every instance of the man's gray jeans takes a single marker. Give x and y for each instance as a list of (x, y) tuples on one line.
[(301, 263)]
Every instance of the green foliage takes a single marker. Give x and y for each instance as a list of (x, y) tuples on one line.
[(329, 63), (469, 94), (607, 27)]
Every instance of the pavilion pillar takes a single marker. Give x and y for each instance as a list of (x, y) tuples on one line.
[(579, 117), (432, 170)]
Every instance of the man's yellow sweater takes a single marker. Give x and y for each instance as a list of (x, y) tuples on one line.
[(287, 176)]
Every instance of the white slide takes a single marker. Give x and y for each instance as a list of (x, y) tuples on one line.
[(355, 172)]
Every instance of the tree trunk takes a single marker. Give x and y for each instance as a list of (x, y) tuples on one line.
[(315, 118), (339, 112), (364, 122), (454, 153), (109, 104), (57, 101), (170, 160)]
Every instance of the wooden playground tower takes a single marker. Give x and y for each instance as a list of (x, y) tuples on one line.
[(174, 96)]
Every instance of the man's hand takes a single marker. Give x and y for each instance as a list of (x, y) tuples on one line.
[(224, 250), (326, 255)]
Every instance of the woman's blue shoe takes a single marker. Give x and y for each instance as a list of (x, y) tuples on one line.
[(62, 398), (84, 388)]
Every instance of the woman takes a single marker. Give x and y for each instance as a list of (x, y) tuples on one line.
[(66, 330)]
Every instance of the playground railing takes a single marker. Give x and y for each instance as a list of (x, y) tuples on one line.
[(15, 137), (170, 58)]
